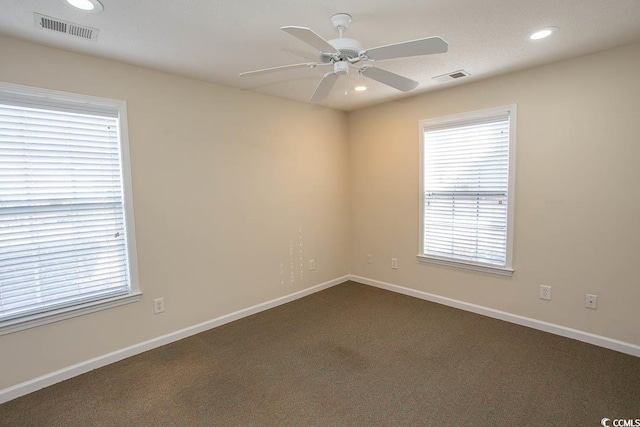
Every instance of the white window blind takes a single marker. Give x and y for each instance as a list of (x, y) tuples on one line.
[(466, 189), (62, 219)]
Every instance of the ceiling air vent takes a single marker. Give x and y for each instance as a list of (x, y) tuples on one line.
[(60, 26), (454, 75)]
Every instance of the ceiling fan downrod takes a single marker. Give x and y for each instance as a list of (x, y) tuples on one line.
[(341, 21)]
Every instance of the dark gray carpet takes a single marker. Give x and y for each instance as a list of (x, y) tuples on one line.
[(351, 355)]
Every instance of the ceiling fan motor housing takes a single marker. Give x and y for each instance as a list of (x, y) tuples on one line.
[(349, 49)]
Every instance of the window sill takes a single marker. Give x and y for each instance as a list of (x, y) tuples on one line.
[(20, 324), (501, 271)]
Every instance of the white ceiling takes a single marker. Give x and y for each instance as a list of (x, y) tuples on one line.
[(214, 40)]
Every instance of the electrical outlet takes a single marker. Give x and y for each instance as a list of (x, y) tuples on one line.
[(394, 263), (158, 305), (312, 264), (545, 292), (369, 259), (591, 301)]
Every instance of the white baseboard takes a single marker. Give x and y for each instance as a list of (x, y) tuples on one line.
[(35, 384), (621, 346)]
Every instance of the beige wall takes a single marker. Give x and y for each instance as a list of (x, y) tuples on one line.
[(223, 180), (577, 200)]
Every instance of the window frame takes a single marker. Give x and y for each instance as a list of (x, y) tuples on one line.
[(507, 269), (87, 104)]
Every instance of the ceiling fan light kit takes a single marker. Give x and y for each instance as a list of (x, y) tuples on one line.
[(343, 53), (341, 68)]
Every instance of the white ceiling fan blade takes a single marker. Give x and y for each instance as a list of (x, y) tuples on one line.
[(325, 86), (281, 68), (311, 38), (390, 79), (427, 46)]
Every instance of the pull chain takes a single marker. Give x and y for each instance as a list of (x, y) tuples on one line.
[(346, 84)]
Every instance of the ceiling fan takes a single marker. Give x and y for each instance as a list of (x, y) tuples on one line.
[(343, 52)]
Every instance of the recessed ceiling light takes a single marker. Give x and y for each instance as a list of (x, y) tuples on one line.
[(545, 32), (86, 5), (360, 88)]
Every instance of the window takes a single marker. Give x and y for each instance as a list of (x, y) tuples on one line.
[(66, 220), (467, 166)]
